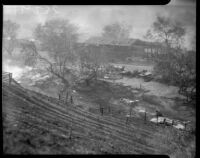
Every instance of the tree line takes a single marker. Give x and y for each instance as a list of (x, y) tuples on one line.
[(59, 38)]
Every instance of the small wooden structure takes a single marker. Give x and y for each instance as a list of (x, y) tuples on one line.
[(6, 77)]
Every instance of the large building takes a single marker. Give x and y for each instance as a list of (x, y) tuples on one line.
[(123, 49)]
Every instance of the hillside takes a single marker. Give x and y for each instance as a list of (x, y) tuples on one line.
[(36, 124)]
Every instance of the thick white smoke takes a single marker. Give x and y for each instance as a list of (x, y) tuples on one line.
[(16, 71)]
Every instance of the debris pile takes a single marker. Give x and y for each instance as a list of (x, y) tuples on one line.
[(128, 101), (160, 119), (167, 121)]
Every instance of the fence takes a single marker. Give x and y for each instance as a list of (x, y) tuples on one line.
[(65, 98), (6, 77)]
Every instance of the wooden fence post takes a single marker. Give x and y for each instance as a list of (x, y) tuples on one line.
[(67, 96), (59, 96), (164, 122), (157, 118), (109, 109), (10, 78), (99, 108), (70, 129), (102, 111), (71, 100), (126, 119), (70, 133), (145, 116), (185, 125)]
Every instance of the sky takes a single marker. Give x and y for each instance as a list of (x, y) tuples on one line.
[(91, 19)]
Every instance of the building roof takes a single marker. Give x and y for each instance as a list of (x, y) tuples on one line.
[(97, 40), (104, 41)]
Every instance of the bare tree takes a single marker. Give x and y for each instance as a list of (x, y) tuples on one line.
[(167, 31), (175, 66), (92, 61), (57, 38)]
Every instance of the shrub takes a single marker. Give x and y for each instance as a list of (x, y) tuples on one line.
[(151, 99), (174, 143)]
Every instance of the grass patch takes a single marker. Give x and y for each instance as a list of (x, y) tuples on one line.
[(174, 143), (151, 99)]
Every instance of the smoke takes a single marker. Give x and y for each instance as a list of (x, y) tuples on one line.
[(92, 19), (186, 16), (17, 70)]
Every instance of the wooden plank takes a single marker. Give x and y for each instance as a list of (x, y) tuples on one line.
[(5, 76), (168, 121), (5, 73), (5, 79)]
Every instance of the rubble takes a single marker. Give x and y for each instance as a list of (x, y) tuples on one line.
[(128, 101), (168, 121)]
